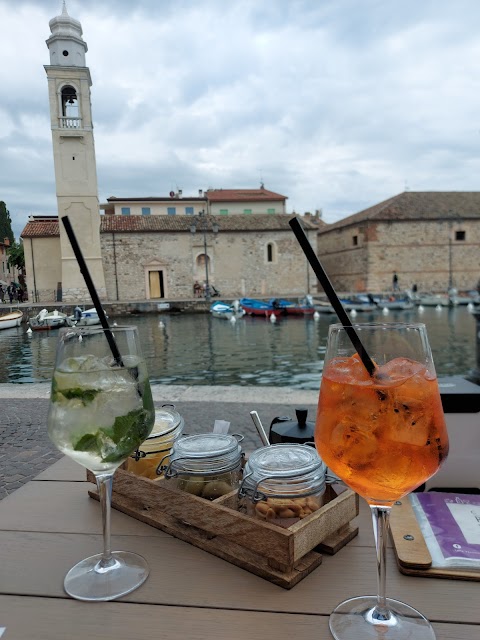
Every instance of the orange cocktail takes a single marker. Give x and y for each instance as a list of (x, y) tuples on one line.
[(382, 435)]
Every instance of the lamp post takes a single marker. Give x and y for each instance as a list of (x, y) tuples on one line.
[(202, 221)]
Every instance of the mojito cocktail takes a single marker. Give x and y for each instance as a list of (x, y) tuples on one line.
[(101, 410)]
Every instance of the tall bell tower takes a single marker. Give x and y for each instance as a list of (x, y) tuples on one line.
[(69, 85)]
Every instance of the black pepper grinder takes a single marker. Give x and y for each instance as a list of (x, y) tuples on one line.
[(284, 429)]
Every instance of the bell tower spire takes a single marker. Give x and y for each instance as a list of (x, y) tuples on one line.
[(69, 85)]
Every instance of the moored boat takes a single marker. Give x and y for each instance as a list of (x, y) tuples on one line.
[(301, 308), (260, 308), (48, 320), (323, 307), (226, 311), (358, 303), (433, 300), (471, 297), (83, 318), (12, 319), (394, 302)]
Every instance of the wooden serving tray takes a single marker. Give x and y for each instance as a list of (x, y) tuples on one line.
[(283, 556), (411, 551)]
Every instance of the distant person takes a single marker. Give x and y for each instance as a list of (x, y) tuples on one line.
[(10, 292), (414, 288), (197, 289), (2, 294), (20, 294), (395, 282)]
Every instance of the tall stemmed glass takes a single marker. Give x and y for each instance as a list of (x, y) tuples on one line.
[(383, 435), (101, 410)]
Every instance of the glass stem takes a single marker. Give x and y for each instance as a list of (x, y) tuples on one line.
[(381, 518), (104, 484)]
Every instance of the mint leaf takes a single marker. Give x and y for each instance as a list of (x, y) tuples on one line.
[(128, 433), (54, 393), (88, 442), (85, 395), (123, 425)]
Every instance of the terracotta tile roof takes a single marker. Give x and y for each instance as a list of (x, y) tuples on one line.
[(242, 195), (416, 206), (41, 228), (146, 224), (254, 222), (158, 199)]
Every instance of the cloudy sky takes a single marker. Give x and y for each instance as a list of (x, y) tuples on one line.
[(337, 104)]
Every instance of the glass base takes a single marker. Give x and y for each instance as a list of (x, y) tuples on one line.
[(356, 618), (89, 580)]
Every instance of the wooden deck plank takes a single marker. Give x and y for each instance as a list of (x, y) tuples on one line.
[(52, 619), (183, 575)]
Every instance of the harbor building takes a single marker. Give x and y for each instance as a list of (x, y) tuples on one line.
[(428, 238)]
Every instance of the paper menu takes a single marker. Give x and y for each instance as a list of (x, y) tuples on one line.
[(450, 524)]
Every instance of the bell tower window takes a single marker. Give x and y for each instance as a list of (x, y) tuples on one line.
[(70, 116)]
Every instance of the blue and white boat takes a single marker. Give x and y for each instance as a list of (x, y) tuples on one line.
[(83, 318), (227, 311)]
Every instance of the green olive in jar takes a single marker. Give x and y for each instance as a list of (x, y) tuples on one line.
[(191, 485), (216, 488)]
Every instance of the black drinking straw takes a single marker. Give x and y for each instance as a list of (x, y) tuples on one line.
[(92, 291), (331, 294)]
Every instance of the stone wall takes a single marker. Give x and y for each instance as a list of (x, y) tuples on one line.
[(424, 253), (238, 264)]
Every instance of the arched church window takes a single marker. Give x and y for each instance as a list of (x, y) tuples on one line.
[(70, 110), (271, 252)]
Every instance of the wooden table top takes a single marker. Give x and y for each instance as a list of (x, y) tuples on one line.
[(50, 524)]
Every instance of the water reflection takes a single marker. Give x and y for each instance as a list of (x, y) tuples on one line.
[(200, 350)]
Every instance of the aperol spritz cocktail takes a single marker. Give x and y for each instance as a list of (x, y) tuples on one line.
[(384, 435)]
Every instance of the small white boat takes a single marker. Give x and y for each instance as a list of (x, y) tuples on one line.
[(227, 311), (323, 307), (358, 303), (84, 318), (48, 320), (433, 300), (465, 298), (12, 319), (394, 303)]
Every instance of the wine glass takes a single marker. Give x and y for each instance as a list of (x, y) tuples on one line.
[(383, 435), (101, 410)]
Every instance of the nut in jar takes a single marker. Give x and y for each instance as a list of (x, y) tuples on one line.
[(283, 484), (206, 465)]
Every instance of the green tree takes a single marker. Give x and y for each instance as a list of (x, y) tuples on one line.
[(5, 224), (16, 256)]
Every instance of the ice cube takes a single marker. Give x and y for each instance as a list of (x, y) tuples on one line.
[(93, 363), (355, 445), (397, 371), (409, 420), (348, 371)]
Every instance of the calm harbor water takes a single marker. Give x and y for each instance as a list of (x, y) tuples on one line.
[(200, 350)]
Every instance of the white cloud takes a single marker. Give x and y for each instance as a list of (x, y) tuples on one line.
[(335, 104)]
